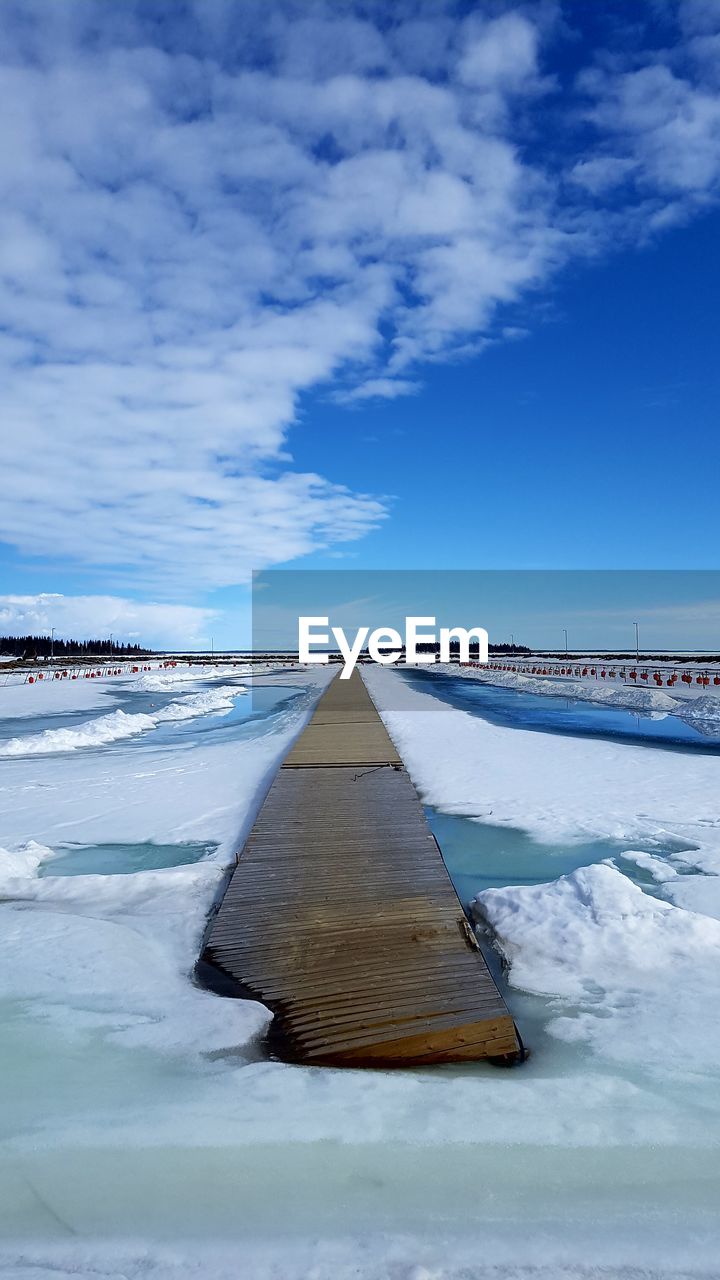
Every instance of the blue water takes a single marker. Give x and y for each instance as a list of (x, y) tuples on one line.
[(479, 855), (518, 710), (259, 702), (122, 859), (114, 699)]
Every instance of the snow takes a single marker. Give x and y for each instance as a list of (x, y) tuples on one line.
[(639, 699), (392, 1256), (704, 708), (20, 864), (660, 870), (148, 1136), (118, 724), (555, 787), (637, 970), (48, 697), (124, 946), (696, 893), (86, 933), (172, 678)]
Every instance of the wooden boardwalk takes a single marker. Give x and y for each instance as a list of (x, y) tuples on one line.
[(341, 917)]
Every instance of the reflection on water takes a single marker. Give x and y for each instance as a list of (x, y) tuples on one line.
[(519, 710)]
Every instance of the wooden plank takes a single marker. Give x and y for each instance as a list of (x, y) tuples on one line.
[(340, 914), (345, 730)]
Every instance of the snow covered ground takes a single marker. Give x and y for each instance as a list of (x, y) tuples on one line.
[(145, 1134), (691, 701)]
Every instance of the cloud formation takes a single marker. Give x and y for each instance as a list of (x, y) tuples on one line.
[(76, 617), (210, 209)]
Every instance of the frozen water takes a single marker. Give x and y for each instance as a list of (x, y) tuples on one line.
[(559, 706), (480, 856), (102, 730), (121, 859), (146, 1134)]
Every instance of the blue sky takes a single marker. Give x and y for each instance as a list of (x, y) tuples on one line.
[(321, 285), (535, 606)]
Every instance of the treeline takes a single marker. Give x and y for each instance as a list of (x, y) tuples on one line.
[(492, 648), (28, 647)]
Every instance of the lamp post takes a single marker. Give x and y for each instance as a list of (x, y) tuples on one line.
[(566, 640), (637, 641), (52, 642)]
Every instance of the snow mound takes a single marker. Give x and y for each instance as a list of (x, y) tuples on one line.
[(638, 970), (162, 681), (16, 865), (212, 702), (658, 868), (119, 724), (67, 955), (545, 686), (706, 707)]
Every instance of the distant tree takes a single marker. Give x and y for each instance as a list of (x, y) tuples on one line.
[(509, 648), (32, 647), (429, 647)]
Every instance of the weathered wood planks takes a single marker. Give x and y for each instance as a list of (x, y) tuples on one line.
[(340, 915)]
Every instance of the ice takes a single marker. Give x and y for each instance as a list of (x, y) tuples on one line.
[(21, 700), (696, 893), (20, 864), (497, 1252), (119, 724), (638, 699), (704, 708), (641, 975), (555, 787), (172, 678), (658, 868), (123, 947), (147, 1135), (95, 954)]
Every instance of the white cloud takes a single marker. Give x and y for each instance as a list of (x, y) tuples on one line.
[(98, 617), (204, 219), (501, 53), (379, 389), (658, 119)]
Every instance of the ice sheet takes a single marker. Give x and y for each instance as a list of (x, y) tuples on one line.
[(554, 786), (642, 976), (153, 1113)]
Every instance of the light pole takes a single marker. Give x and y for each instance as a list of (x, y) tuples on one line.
[(566, 640), (512, 640), (52, 642), (637, 641)]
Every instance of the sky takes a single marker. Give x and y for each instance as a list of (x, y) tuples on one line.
[(552, 609), (429, 285)]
